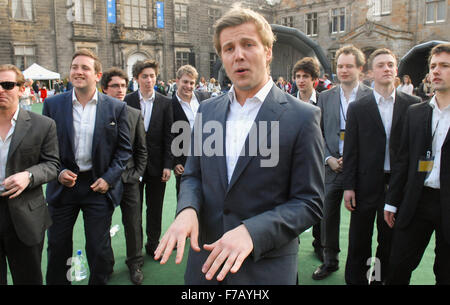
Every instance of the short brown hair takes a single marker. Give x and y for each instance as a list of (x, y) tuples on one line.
[(108, 75), (360, 59), (140, 65), (308, 65), (20, 79), (187, 69), (380, 52), (438, 49), (90, 54), (238, 15)]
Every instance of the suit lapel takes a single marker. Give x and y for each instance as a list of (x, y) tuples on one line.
[(221, 113), (375, 113), (100, 122), (23, 124), (270, 110), (68, 114), (336, 107)]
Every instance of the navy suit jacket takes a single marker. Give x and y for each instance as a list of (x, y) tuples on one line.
[(111, 147)]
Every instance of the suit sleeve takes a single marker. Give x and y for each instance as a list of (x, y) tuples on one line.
[(48, 166), (168, 121), (275, 228), (351, 149), (123, 150), (327, 152)]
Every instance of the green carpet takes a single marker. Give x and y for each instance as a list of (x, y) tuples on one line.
[(172, 274)]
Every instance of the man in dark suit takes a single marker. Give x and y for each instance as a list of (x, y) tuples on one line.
[(28, 159), (114, 83), (334, 104), (244, 207), (419, 195), (372, 140), (185, 103), (156, 110), (94, 147), (305, 72)]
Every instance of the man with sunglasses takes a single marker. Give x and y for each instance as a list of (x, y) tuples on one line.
[(28, 159)]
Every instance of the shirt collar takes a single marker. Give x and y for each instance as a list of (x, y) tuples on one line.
[(312, 98), (151, 99), (94, 98), (16, 114), (354, 91), (260, 95), (378, 96), (192, 98)]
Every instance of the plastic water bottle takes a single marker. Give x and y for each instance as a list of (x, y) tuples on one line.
[(114, 230), (80, 267)]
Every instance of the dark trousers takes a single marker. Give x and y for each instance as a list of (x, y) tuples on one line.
[(24, 261), (177, 184), (131, 206), (360, 244), (154, 198), (409, 243), (330, 224), (97, 215)]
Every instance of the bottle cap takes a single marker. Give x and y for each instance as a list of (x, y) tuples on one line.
[(79, 252)]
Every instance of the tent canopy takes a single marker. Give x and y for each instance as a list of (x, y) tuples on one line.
[(36, 72)]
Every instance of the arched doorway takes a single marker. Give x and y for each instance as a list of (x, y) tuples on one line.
[(131, 60)]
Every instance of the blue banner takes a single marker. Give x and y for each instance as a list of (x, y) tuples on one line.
[(160, 15), (112, 11)]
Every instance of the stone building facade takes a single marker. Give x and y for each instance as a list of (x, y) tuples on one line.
[(49, 31)]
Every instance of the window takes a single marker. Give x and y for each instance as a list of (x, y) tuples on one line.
[(338, 20), (84, 11), (287, 21), (212, 61), (381, 7), (181, 18), (182, 58), (311, 24), (435, 10), (135, 13), (24, 56), (22, 9), (214, 15)]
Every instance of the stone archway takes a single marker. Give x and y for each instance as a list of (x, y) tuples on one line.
[(131, 60)]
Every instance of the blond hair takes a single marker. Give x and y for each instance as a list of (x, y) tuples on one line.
[(189, 70)]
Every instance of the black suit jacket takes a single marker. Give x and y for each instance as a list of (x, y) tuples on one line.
[(365, 145), (406, 183), (158, 136), (111, 147), (179, 115)]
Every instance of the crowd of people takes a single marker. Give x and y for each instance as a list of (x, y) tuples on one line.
[(380, 150)]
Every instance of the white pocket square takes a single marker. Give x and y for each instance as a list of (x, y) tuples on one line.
[(112, 124)]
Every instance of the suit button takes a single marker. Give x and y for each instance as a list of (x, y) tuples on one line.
[(226, 211)]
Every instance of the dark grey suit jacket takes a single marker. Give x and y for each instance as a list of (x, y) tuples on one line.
[(33, 148), (275, 204), (329, 104), (136, 164)]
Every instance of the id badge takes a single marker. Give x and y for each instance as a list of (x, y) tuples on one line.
[(426, 164), (342, 135)]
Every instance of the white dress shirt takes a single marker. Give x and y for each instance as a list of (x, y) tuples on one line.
[(146, 108), (312, 98), (343, 112), (190, 109), (239, 122), (440, 126), (386, 108), (4, 149), (84, 126)]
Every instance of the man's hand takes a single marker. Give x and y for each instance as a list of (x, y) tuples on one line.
[(100, 186), (15, 184), (178, 170), (165, 175), (184, 226), (389, 217), (231, 250), (67, 178), (336, 165), (349, 200)]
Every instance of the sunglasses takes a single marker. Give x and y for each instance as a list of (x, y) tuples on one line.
[(8, 85)]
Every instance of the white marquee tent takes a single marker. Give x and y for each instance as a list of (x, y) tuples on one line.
[(36, 72)]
